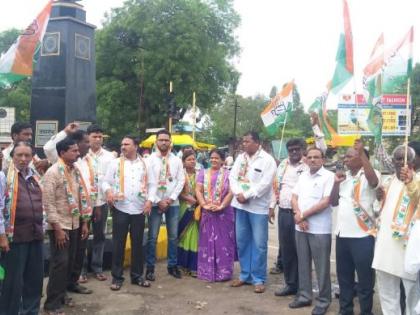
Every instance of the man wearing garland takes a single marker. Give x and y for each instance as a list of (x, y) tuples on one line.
[(251, 182), (286, 178), (126, 189), (354, 194), (397, 216), (166, 178), (21, 235), (66, 200)]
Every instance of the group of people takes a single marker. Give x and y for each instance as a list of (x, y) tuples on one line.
[(213, 217)]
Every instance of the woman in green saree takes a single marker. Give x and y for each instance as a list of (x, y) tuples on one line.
[(188, 226)]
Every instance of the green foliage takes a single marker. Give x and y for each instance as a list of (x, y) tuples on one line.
[(147, 43), (19, 95)]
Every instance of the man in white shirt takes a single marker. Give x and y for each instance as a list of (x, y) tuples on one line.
[(22, 131), (166, 179), (251, 181), (126, 188), (397, 215), (287, 175), (354, 194), (311, 205), (98, 159)]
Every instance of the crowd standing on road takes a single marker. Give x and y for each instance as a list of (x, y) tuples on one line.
[(213, 216)]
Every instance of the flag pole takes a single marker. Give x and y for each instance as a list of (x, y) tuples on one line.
[(407, 121), (194, 118), (282, 134), (170, 115)]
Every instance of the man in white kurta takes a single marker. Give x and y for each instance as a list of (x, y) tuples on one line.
[(390, 246)]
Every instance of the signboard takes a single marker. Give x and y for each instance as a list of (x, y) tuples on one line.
[(44, 130), (353, 116)]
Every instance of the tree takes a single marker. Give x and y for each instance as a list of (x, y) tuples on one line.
[(18, 95), (147, 43)]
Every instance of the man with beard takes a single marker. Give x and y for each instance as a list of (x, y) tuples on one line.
[(126, 189), (166, 178)]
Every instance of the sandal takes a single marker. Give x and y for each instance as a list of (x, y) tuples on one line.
[(100, 276), (68, 301), (259, 288), (141, 283), (82, 279), (237, 283), (116, 286)]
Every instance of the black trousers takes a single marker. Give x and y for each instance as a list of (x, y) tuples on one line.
[(122, 223), (355, 254), (22, 286), (288, 247), (78, 261), (61, 266)]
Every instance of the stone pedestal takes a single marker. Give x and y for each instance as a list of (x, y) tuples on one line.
[(64, 79)]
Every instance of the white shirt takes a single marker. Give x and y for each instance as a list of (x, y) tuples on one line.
[(175, 181), (260, 174), (50, 147), (133, 175), (101, 161), (390, 252), (2, 201), (310, 189), (287, 177), (347, 223)]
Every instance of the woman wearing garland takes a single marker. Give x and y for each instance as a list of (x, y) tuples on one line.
[(188, 226), (216, 246)]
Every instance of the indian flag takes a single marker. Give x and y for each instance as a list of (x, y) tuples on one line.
[(344, 69), (275, 113), (399, 64), (372, 82), (17, 63)]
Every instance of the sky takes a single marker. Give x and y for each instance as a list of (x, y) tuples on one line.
[(282, 40)]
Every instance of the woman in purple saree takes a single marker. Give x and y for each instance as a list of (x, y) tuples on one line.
[(216, 245)]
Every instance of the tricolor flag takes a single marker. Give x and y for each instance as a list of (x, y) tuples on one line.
[(17, 63), (372, 82), (399, 64), (344, 69), (275, 113)]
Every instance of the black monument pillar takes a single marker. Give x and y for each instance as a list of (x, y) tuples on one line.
[(64, 81)]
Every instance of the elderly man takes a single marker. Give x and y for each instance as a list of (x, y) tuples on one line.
[(21, 235), (396, 216), (251, 181), (354, 194), (311, 205), (287, 176)]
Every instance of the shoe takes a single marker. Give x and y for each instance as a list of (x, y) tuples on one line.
[(276, 271), (150, 275), (174, 271), (317, 310), (298, 304), (286, 291), (77, 288)]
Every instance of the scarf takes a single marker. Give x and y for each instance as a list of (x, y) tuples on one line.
[(364, 220), (403, 218), (243, 169), (215, 197), (165, 171), (119, 182), (189, 183), (11, 194), (85, 205), (278, 179), (93, 163)]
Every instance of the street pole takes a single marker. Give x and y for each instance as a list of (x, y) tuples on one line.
[(234, 118), (194, 116), (170, 114)]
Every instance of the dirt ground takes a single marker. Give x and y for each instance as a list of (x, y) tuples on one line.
[(192, 296)]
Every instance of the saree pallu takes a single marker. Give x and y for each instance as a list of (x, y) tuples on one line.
[(187, 237)]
